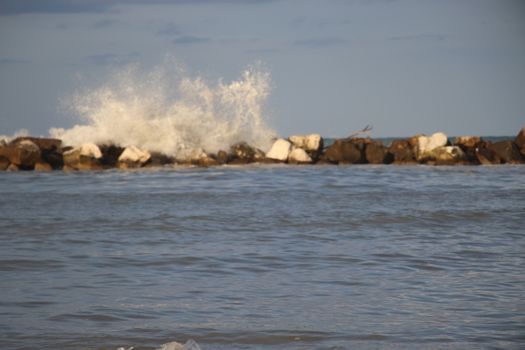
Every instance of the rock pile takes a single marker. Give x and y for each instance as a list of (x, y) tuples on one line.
[(45, 154)]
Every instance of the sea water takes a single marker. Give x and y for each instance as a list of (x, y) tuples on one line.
[(264, 257)]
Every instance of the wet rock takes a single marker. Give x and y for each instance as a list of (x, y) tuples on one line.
[(4, 163), (223, 157), (426, 144), (401, 152), (160, 159), (85, 157), (299, 156), (280, 150), (206, 160), (133, 157), (342, 151), (110, 155), (507, 151), (377, 153), (242, 153), (43, 166), (23, 153)]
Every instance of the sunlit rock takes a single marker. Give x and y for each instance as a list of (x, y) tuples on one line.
[(85, 157), (448, 155), (280, 150), (4, 163), (426, 144), (310, 143), (43, 166), (23, 153), (299, 156), (133, 157)]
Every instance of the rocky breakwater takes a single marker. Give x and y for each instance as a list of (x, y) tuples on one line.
[(46, 154)]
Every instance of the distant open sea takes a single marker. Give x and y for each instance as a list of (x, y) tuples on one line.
[(264, 257)]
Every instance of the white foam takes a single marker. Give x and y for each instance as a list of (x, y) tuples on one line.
[(167, 111)]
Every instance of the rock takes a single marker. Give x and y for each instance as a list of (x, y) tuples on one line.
[(466, 142), (487, 156), (206, 160), (44, 144), (280, 150), (299, 156), (520, 141), (468, 145), (160, 159), (4, 163), (448, 155), (241, 153), (23, 153), (377, 153), (43, 166), (401, 152), (342, 151), (426, 144), (85, 157), (507, 151), (223, 157), (312, 144), (110, 155), (133, 157), (12, 167), (51, 149)]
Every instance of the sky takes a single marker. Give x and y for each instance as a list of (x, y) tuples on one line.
[(403, 66)]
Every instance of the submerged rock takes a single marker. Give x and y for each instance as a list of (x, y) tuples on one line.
[(85, 157), (133, 157), (280, 150), (299, 156)]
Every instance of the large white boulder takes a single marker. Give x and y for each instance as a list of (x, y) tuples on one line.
[(311, 143), (299, 156), (280, 150), (426, 144), (134, 155)]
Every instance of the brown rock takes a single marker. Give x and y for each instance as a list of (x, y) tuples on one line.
[(507, 151), (85, 157), (520, 138), (45, 144), (343, 151), (12, 167), (43, 166), (468, 145), (23, 153), (376, 153), (4, 163), (401, 152), (487, 156), (160, 159)]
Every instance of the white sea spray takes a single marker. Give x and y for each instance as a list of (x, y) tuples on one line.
[(167, 111)]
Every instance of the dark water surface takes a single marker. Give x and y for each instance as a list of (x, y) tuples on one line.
[(269, 257)]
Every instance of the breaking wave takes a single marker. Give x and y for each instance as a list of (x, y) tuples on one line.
[(167, 111)]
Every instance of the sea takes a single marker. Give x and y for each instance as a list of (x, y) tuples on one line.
[(264, 257)]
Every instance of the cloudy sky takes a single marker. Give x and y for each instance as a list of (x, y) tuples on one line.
[(403, 66)]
